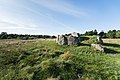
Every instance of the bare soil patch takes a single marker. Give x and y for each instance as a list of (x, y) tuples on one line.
[(111, 40)]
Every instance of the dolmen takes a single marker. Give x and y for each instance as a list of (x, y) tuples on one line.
[(68, 39)]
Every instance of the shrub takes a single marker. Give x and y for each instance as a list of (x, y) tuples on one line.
[(91, 40)]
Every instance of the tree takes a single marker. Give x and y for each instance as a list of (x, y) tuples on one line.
[(53, 36), (117, 34), (95, 32), (3, 35), (89, 33), (102, 34), (111, 34)]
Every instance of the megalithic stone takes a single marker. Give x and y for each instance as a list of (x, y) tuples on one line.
[(71, 39), (99, 39)]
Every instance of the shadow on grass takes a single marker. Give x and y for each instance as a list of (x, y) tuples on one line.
[(84, 38), (83, 44), (112, 45), (110, 51)]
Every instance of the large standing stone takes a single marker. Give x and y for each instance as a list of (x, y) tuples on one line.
[(74, 34), (73, 40), (99, 40), (70, 40), (61, 40), (57, 39)]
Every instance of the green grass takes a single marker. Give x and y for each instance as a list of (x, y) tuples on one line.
[(45, 60), (112, 48)]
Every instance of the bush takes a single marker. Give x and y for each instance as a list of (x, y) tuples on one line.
[(91, 40)]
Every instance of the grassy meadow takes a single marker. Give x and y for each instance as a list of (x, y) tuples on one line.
[(45, 60)]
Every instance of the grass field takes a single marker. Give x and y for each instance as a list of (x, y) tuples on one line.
[(45, 60), (113, 48)]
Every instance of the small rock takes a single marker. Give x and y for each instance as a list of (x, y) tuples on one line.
[(98, 47)]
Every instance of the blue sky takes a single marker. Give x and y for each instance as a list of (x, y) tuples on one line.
[(54, 17)]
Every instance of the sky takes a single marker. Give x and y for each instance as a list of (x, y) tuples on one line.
[(52, 17)]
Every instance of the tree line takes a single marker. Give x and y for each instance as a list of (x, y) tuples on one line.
[(4, 35), (108, 34)]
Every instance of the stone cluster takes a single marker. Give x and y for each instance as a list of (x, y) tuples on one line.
[(68, 39)]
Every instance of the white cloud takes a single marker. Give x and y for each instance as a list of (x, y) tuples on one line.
[(12, 24), (60, 6), (17, 22), (8, 21), (52, 20)]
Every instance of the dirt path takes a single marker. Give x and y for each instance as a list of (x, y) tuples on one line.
[(111, 40)]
